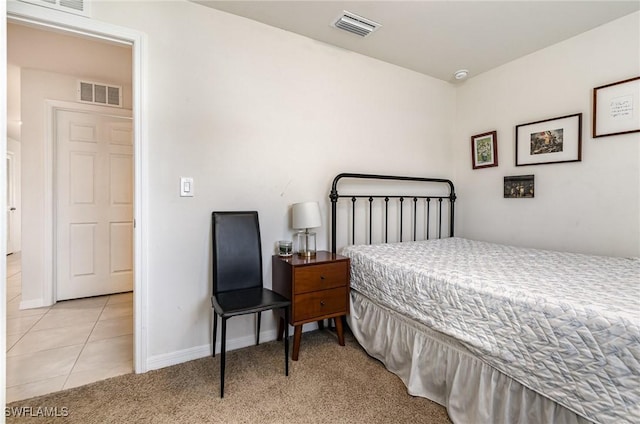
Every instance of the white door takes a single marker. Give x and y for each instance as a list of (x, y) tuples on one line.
[(94, 204)]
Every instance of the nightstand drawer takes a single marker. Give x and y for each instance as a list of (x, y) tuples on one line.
[(319, 303), (320, 277)]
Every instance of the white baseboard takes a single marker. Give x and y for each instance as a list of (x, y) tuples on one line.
[(33, 303), (197, 352), (177, 357)]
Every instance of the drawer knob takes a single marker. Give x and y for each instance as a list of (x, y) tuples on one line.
[(322, 303), (322, 277)]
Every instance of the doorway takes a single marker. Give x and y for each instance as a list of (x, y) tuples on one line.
[(89, 152), (35, 16)]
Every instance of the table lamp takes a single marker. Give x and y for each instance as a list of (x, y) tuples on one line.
[(304, 216)]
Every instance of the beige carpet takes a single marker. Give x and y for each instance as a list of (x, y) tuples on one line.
[(329, 384)]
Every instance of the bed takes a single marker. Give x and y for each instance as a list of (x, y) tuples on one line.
[(495, 333)]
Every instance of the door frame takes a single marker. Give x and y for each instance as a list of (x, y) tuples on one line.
[(72, 24), (50, 227), (14, 192), (11, 198)]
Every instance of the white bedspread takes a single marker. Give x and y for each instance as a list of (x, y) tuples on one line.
[(565, 325)]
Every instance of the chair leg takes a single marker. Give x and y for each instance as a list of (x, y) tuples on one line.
[(281, 324), (286, 341), (215, 333), (258, 332), (222, 355)]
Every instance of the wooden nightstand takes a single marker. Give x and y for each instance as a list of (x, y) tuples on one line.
[(318, 288)]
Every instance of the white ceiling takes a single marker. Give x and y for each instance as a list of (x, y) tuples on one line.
[(97, 60), (437, 38)]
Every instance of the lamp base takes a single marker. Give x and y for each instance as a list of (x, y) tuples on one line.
[(306, 244)]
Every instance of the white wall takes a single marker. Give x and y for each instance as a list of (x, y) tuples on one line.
[(260, 118), (37, 86), (591, 206)]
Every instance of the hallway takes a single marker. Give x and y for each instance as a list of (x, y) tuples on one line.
[(70, 344)]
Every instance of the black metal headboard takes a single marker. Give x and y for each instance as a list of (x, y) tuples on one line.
[(335, 196)]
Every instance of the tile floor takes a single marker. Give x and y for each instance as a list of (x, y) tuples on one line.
[(69, 344)]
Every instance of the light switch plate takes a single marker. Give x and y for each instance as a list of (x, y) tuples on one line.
[(186, 187)]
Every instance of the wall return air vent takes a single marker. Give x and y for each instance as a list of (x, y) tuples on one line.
[(355, 24), (77, 7), (99, 93)]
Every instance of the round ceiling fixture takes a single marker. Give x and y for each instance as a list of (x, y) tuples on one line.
[(461, 74)]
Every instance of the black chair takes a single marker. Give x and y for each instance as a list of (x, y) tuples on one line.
[(237, 278)]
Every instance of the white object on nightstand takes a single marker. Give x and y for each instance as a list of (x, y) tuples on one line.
[(186, 187)]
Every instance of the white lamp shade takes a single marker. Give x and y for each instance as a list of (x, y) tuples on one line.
[(306, 215)]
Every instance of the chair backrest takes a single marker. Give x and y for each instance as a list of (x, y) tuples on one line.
[(237, 252)]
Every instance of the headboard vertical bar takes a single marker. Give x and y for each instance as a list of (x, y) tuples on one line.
[(386, 219), (415, 217), (353, 220), (334, 218), (401, 216), (370, 218), (452, 201), (440, 217), (428, 215)]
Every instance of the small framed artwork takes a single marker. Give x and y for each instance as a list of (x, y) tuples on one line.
[(553, 140), (616, 108), (519, 186), (484, 150)]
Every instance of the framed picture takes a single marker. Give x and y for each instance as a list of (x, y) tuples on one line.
[(484, 150), (553, 140), (616, 108), (519, 186)]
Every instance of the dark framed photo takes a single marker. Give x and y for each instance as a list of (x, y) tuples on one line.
[(519, 186), (484, 150), (616, 108), (553, 140)]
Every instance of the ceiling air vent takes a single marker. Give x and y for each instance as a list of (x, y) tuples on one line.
[(78, 7), (355, 24), (99, 93)]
